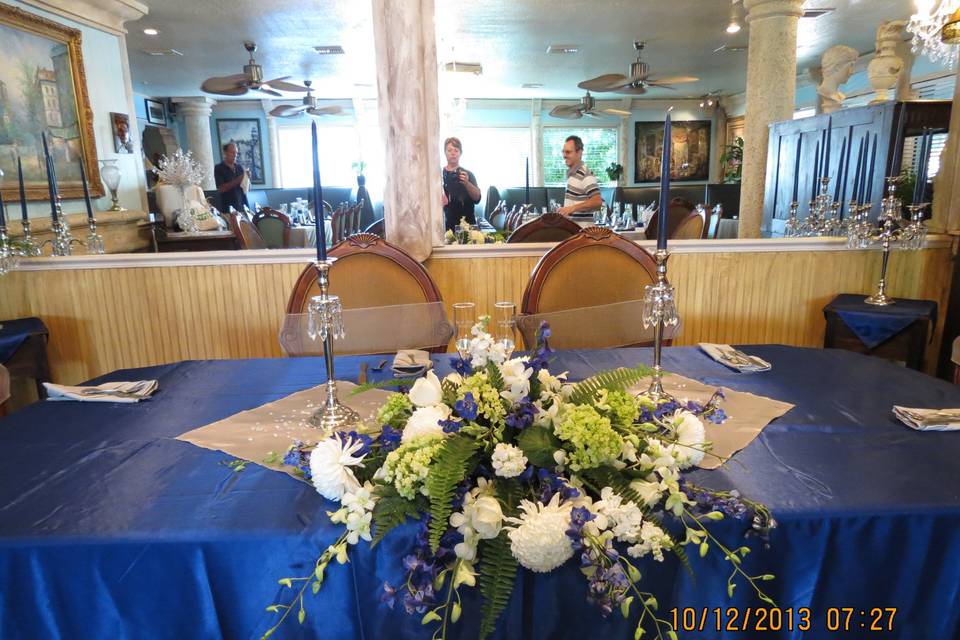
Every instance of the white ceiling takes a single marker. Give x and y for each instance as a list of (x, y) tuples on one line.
[(508, 37)]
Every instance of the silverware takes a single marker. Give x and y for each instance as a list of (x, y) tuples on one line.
[(380, 366), (110, 392)]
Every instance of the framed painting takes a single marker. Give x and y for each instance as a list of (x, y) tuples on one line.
[(690, 151), (122, 140), (43, 89), (245, 133), (156, 112)]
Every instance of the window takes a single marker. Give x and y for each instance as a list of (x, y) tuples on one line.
[(599, 151), (497, 156), (338, 148)]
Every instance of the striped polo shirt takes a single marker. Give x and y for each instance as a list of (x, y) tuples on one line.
[(581, 185)]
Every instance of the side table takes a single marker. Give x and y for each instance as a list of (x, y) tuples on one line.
[(899, 331), (23, 350)]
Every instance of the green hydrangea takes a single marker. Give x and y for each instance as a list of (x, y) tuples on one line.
[(407, 466), (395, 411), (621, 407), (589, 437), (489, 403)]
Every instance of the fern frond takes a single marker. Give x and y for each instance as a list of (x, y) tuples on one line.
[(494, 377), (609, 477), (681, 554), (613, 380), (382, 384), (449, 468), (498, 573), (392, 510)]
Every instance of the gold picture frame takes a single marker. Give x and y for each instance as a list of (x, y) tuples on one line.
[(65, 115)]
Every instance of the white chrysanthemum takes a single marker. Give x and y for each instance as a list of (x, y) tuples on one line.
[(539, 542), (425, 421), (508, 460), (653, 540), (691, 438), (516, 379), (330, 463)]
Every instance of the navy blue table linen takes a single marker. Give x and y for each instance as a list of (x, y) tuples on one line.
[(14, 333), (875, 325), (111, 528)]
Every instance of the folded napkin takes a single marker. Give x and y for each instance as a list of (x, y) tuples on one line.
[(929, 419), (736, 360), (409, 361), (106, 392)]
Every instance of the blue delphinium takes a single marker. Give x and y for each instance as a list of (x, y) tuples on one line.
[(466, 407), (552, 484), (522, 415), (298, 457), (389, 438), (540, 358), (461, 365)]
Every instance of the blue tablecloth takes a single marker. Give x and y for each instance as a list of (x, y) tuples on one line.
[(110, 528), (13, 333), (875, 325)]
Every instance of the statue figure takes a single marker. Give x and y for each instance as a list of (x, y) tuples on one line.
[(837, 67), (886, 66)]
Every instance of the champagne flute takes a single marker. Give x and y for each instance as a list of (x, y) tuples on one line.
[(505, 326), (464, 317)]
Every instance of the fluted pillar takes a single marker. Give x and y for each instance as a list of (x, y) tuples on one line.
[(536, 142), (195, 112), (945, 215), (406, 54), (771, 95)]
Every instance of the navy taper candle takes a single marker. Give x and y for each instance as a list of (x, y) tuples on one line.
[(318, 199), (664, 183), (86, 191), (796, 169), (23, 192)]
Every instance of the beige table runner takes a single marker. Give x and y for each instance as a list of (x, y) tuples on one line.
[(271, 428), (747, 415)]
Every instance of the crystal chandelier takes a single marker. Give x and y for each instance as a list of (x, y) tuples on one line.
[(926, 26)]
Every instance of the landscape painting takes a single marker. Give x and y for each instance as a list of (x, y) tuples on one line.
[(245, 133), (43, 91), (690, 151)]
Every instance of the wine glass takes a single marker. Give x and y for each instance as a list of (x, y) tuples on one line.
[(464, 317), (505, 326)]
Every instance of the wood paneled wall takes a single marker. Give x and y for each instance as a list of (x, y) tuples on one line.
[(106, 319)]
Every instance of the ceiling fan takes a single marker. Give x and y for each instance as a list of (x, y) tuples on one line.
[(250, 80), (586, 107), (309, 106), (637, 82)]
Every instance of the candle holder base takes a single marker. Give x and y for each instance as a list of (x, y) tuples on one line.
[(333, 416), (879, 299), (655, 391)]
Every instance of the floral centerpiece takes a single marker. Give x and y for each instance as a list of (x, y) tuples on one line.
[(504, 464), (182, 171), (466, 234)]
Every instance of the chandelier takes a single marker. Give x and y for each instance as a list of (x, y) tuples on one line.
[(926, 26)]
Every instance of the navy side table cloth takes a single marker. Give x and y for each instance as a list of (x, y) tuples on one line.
[(14, 333), (875, 325), (110, 528)]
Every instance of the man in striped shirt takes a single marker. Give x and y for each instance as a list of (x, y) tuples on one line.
[(583, 194)]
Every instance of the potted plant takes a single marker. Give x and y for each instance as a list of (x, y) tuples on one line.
[(732, 161), (615, 172)]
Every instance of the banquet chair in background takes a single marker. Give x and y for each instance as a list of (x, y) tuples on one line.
[(246, 234), (592, 269), (338, 221), (371, 274), (550, 227), (691, 227), (274, 227), (678, 211)]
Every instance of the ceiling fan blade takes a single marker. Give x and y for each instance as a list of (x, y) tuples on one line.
[(288, 110), (632, 91), (657, 85), (265, 88), (591, 114), (225, 84), (568, 111), (616, 112), (606, 82), (280, 85), (672, 80), (332, 110)]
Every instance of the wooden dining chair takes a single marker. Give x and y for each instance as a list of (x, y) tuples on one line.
[(550, 227), (274, 227), (370, 272), (337, 221), (677, 212), (247, 236), (691, 227), (593, 268)]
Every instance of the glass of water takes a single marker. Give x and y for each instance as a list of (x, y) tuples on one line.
[(505, 326), (464, 317)]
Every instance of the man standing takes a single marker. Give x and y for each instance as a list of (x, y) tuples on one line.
[(582, 194), (228, 175)]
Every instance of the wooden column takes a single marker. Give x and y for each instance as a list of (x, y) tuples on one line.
[(771, 95), (536, 142), (406, 54)]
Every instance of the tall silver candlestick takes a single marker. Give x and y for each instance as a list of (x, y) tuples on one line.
[(62, 240), (94, 241), (326, 322), (659, 311), (29, 248), (9, 257)]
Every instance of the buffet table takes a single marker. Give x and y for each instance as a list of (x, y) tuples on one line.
[(111, 528)]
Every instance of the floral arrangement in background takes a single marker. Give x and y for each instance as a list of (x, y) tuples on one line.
[(466, 234), (504, 464), (180, 169)]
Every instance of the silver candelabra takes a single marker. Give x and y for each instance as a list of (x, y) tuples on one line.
[(889, 231), (659, 311), (823, 218), (325, 320), (9, 255)]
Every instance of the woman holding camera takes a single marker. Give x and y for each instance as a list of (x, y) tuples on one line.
[(460, 190)]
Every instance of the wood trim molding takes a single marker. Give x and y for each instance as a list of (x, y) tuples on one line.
[(106, 15)]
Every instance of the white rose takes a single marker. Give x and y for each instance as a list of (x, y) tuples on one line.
[(425, 421), (486, 517), (691, 438), (426, 392)]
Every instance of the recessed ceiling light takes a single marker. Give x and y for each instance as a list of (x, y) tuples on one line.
[(151, 32), (329, 50), (563, 48), (464, 67), (531, 85)]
